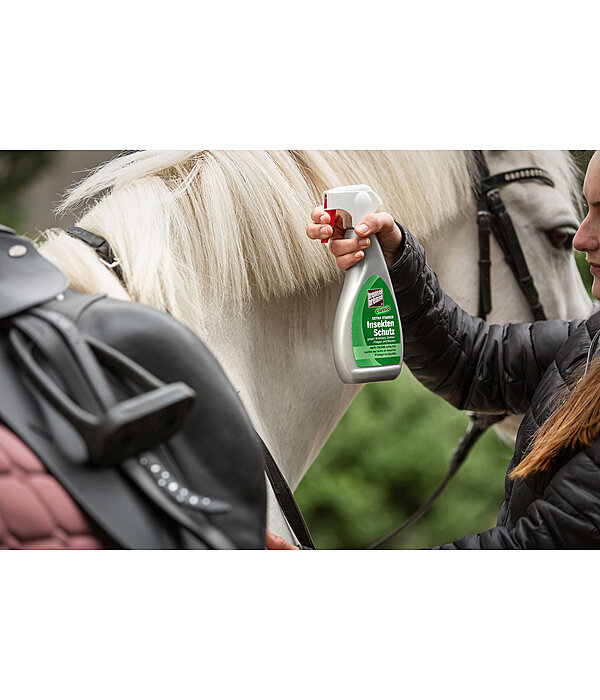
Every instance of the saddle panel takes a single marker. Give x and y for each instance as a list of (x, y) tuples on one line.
[(36, 512)]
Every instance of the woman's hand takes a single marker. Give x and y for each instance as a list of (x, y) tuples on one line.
[(277, 542), (349, 252)]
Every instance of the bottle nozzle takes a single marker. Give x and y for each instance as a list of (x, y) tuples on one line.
[(356, 200)]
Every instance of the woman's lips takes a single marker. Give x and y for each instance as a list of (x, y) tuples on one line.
[(595, 269)]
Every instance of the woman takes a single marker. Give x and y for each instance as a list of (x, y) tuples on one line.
[(547, 370)]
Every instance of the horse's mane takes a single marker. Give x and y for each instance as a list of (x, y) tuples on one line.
[(230, 224)]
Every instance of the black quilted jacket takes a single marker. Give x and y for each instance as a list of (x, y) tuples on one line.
[(519, 368)]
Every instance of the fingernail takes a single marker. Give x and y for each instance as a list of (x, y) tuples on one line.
[(359, 255), (364, 243), (361, 228), (323, 231), (324, 218)]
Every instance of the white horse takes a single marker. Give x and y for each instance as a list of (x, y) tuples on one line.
[(217, 239)]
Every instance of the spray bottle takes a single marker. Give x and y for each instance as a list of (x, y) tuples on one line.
[(367, 335)]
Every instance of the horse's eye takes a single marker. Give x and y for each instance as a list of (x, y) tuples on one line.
[(562, 237)]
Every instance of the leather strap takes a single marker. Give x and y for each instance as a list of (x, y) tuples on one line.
[(286, 500), (493, 181), (506, 236), (492, 217), (484, 225), (99, 244)]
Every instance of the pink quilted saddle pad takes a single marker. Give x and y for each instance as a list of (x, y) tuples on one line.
[(35, 510)]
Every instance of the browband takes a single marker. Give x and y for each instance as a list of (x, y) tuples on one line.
[(492, 181)]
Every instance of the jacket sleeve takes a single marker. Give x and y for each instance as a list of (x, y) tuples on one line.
[(473, 365), (566, 516)]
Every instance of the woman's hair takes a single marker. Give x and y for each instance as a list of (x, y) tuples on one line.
[(574, 425)]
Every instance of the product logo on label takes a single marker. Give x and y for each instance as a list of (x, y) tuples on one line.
[(375, 297), (376, 333)]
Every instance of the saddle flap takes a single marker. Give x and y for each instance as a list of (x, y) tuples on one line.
[(26, 278)]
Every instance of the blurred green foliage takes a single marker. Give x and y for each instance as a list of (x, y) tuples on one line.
[(582, 158), (386, 457), (17, 170)]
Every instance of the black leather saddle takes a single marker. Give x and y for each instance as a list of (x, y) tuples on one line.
[(129, 410)]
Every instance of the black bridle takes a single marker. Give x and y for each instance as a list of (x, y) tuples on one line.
[(492, 218)]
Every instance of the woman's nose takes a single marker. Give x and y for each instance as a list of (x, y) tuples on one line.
[(587, 236)]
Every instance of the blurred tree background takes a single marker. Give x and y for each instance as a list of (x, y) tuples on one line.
[(18, 169), (388, 453)]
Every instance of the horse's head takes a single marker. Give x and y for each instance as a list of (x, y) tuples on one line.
[(545, 219)]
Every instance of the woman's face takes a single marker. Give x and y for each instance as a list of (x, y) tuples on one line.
[(587, 238)]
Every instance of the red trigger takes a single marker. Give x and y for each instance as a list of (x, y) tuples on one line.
[(331, 213)]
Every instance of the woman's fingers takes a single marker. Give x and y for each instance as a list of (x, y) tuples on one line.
[(381, 223), (321, 228), (346, 261), (276, 542), (320, 216), (342, 246), (349, 252), (319, 231)]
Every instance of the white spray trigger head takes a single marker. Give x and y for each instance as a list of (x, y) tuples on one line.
[(357, 201)]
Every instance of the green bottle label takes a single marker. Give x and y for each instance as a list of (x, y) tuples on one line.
[(376, 337)]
